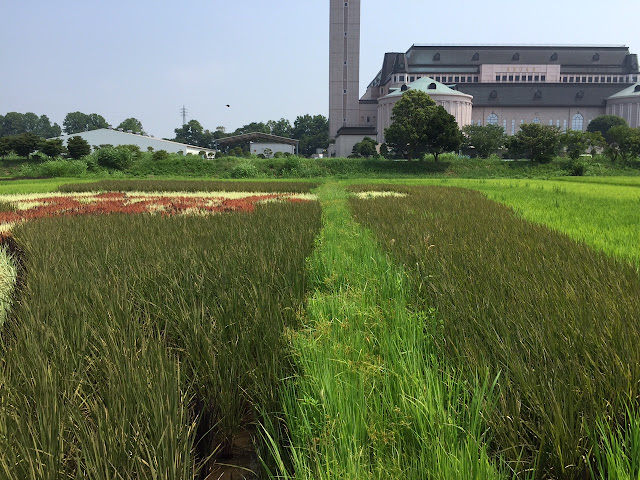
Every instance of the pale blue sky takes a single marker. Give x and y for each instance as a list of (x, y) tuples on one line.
[(268, 60)]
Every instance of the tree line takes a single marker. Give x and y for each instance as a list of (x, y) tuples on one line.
[(312, 132)]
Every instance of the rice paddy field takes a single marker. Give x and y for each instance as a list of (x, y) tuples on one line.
[(422, 329)]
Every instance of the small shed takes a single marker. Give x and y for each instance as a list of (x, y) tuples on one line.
[(257, 143)]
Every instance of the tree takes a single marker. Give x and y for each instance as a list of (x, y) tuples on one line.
[(595, 141), (384, 151), (485, 139), (96, 122), (603, 124), (253, 127), (365, 148), (5, 146), (419, 126), (624, 142), (443, 133), (312, 132), (78, 122), (538, 142), (575, 142), (46, 129), (219, 132), (193, 133), (25, 144), (12, 124), (410, 115), (53, 148), (190, 133), (78, 147), (132, 124), (15, 123), (281, 128)]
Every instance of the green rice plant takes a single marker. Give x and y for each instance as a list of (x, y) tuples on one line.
[(141, 345), (600, 212), (557, 321), (8, 277), (188, 186), (370, 398), (617, 451)]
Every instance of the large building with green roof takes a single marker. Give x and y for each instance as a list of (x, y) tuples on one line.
[(507, 85)]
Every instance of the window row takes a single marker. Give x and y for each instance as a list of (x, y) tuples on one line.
[(577, 123), (438, 78), (510, 77), (599, 78)]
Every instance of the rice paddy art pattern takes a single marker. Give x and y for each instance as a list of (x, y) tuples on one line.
[(35, 206)]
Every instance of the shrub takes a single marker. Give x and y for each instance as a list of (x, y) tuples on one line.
[(118, 158), (160, 155), (54, 168), (244, 169)]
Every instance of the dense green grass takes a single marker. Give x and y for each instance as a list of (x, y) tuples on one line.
[(142, 344), (188, 186), (555, 320), (371, 400)]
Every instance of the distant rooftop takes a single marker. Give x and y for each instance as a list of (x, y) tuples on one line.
[(522, 45)]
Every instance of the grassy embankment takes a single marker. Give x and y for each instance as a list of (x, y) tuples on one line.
[(557, 321), (371, 399), (142, 345), (450, 165)]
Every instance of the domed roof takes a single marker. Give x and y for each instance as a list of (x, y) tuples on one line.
[(630, 92), (429, 86)]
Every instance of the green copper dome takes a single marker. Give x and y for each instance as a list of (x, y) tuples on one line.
[(430, 87)]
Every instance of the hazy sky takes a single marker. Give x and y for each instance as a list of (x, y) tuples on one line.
[(267, 59)]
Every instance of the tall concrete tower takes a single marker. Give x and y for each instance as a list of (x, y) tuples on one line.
[(344, 65)]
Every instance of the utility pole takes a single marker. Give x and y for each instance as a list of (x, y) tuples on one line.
[(183, 112)]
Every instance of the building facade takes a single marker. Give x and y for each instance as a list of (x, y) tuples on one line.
[(564, 86), (507, 85)]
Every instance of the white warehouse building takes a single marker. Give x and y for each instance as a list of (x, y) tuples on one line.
[(107, 136)]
